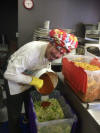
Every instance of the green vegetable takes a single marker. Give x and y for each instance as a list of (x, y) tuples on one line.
[(52, 112)]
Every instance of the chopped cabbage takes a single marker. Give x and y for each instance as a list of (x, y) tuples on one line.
[(51, 112)]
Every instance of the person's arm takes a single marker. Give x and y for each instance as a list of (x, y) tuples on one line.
[(15, 71), (24, 79), (18, 78)]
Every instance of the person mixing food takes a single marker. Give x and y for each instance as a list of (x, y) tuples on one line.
[(33, 56)]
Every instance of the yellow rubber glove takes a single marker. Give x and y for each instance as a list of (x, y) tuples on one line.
[(38, 83)]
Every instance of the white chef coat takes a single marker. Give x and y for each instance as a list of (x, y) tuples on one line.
[(31, 56)]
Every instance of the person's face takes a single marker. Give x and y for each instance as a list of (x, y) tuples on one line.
[(52, 53)]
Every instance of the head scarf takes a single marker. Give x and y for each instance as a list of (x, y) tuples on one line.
[(63, 41)]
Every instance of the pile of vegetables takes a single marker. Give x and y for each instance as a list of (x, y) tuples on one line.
[(87, 66), (52, 111)]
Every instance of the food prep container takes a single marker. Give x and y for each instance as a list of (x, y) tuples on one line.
[(85, 83), (52, 126)]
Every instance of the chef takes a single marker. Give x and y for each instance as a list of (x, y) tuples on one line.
[(32, 56)]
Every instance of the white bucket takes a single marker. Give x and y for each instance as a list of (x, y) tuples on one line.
[(52, 76), (42, 71)]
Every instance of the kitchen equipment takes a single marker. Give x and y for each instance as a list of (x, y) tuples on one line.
[(92, 50), (85, 83), (80, 50), (65, 124), (41, 34), (47, 24), (50, 79)]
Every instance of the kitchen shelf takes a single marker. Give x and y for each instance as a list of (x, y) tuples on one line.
[(3, 49)]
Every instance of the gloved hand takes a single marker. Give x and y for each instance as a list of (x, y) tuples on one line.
[(38, 83)]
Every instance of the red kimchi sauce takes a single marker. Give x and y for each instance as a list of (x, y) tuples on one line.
[(45, 104), (47, 85)]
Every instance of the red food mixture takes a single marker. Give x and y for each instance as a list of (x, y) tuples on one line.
[(45, 104), (47, 85)]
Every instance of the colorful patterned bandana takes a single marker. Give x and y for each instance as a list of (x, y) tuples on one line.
[(63, 41)]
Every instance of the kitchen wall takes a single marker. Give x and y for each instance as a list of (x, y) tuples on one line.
[(61, 13)]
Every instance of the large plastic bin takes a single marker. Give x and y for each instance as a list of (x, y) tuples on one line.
[(85, 83), (65, 125)]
